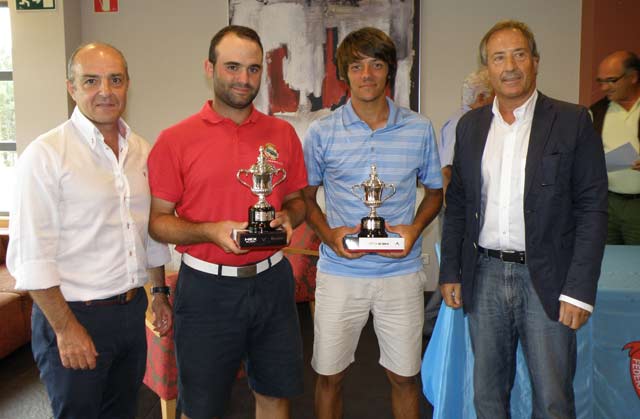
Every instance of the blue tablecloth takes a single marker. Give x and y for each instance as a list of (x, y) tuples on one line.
[(603, 384)]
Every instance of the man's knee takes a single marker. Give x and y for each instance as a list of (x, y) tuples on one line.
[(400, 381), (330, 381)]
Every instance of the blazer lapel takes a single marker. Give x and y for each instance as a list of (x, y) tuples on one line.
[(543, 118), (482, 131)]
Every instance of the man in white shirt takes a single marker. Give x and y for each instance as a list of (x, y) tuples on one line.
[(524, 230), (617, 118), (79, 244)]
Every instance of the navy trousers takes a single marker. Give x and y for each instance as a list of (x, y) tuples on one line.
[(111, 389)]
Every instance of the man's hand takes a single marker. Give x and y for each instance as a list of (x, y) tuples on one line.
[(221, 232), (572, 316), (410, 236), (636, 165), (162, 314), (282, 220), (452, 294), (334, 239), (76, 346)]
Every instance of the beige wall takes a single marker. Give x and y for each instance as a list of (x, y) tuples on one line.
[(39, 56), (452, 30)]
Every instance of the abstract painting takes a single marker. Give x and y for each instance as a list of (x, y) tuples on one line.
[(300, 82)]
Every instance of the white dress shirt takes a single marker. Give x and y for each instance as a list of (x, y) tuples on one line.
[(80, 215), (502, 192)]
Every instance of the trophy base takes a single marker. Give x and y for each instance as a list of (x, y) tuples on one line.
[(263, 240), (373, 244)]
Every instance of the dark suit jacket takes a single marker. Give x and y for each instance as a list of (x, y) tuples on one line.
[(565, 204)]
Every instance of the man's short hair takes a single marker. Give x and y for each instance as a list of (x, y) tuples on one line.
[(508, 24), (366, 42), (475, 84), (72, 60), (632, 63), (240, 31)]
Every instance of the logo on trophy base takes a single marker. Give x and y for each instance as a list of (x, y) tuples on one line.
[(372, 236), (259, 234)]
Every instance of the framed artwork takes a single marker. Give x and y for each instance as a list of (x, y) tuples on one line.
[(300, 37)]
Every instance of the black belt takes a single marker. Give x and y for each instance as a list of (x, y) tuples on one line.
[(119, 299), (511, 256), (626, 195)]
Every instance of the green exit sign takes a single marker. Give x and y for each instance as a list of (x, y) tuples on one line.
[(35, 4)]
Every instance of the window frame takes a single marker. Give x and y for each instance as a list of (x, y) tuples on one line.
[(6, 145)]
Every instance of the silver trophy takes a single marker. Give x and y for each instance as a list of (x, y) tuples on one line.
[(259, 233), (372, 236)]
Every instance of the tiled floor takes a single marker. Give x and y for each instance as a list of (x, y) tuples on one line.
[(22, 396)]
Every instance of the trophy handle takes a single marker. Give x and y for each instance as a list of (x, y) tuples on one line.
[(284, 176), (353, 191), (240, 179), (393, 191)]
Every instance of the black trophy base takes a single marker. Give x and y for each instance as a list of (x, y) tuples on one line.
[(372, 227), (266, 239)]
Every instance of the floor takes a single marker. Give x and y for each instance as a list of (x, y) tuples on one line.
[(366, 388)]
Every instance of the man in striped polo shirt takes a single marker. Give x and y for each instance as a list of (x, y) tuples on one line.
[(339, 151)]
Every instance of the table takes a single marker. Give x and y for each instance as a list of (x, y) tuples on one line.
[(607, 381)]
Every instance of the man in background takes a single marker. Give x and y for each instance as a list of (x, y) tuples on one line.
[(79, 244), (617, 118)]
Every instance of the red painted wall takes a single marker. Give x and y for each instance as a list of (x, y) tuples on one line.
[(607, 26)]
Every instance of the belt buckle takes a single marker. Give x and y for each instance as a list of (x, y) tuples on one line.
[(246, 271)]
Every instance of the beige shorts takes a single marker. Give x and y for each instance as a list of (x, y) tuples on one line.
[(342, 310)]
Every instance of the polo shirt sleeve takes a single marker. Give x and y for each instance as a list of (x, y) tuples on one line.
[(35, 225), (313, 155), (429, 174), (165, 172)]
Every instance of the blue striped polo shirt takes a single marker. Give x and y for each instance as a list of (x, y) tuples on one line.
[(339, 150)]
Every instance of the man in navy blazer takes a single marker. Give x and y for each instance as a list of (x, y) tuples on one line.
[(524, 229)]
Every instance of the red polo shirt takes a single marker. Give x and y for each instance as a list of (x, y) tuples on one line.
[(194, 164)]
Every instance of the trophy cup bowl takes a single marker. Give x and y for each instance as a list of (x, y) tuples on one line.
[(372, 236), (259, 234)]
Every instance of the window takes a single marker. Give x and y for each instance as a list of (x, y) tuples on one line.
[(8, 155)]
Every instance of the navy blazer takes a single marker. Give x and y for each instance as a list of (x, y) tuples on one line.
[(565, 204)]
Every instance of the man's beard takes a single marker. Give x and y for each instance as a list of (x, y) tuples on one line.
[(224, 93)]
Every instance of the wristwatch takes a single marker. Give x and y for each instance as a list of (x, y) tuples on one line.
[(161, 290)]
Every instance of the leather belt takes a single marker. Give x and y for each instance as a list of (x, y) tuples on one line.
[(625, 195), (234, 271), (511, 256), (119, 299)]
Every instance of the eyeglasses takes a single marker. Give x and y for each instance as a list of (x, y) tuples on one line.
[(610, 80)]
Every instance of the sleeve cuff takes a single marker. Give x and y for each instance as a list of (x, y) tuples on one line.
[(576, 303), (157, 253), (37, 275)]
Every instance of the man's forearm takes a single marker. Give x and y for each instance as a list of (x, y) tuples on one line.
[(296, 210), (156, 276), (428, 209), (54, 306), (168, 228)]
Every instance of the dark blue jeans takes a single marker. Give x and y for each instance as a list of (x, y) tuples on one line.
[(505, 310), (111, 389)]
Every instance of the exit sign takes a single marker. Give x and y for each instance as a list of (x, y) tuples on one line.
[(35, 4)]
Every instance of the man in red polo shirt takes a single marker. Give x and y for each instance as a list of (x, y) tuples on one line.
[(223, 314)]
